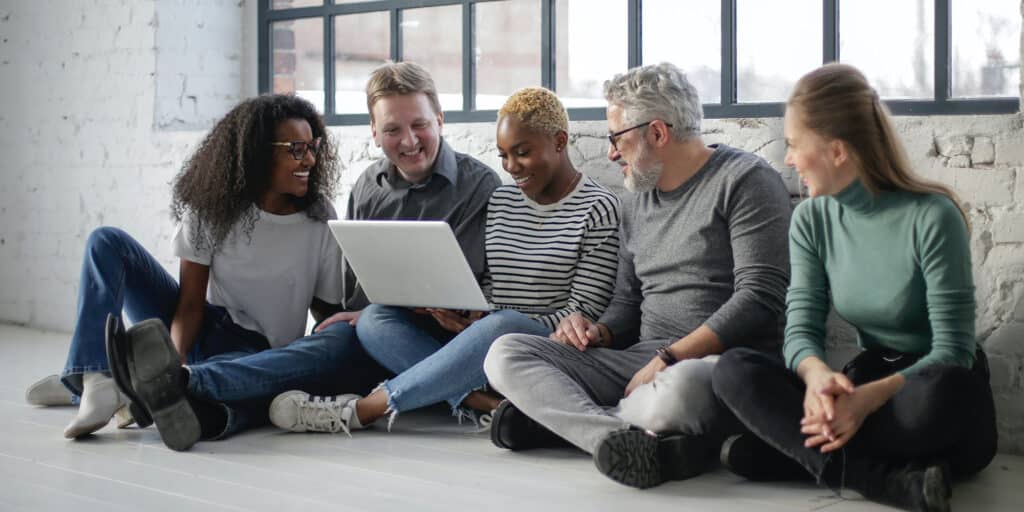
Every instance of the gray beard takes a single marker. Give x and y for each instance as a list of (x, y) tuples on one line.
[(643, 180)]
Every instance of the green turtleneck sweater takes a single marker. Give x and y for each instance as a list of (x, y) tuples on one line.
[(898, 266)]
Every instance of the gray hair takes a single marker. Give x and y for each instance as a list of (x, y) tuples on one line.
[(654, 92)]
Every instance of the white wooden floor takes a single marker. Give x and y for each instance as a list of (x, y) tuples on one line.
[(427, 462)]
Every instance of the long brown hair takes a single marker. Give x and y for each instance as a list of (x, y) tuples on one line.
[(836, 102)]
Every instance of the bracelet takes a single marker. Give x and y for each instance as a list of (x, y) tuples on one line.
[(666, 356)]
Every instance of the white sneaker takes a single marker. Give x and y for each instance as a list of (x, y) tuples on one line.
[(48, 391), (298, 411)]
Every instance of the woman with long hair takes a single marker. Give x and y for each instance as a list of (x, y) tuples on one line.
[(255, 254), (551, 242), (889, 251)]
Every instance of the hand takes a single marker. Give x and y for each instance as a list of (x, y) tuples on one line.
[(851, 410), (824, 386), (578, 331), (645, 374), (345, 316), (454, 321)]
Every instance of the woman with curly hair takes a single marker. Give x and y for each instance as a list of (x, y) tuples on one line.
[(255, 254), (551, 242)]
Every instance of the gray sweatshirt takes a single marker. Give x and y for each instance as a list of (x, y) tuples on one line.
[(713, 251)]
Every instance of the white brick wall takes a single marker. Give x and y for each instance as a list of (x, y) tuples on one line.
[(96, 117)]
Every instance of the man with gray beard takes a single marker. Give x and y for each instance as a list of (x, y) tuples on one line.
[(703, 267)]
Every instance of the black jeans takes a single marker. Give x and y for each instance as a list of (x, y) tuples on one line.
[(943, 413)]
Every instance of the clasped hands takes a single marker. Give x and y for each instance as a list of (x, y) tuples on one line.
[(835, 409)]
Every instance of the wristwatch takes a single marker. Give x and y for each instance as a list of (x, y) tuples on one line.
[(666, 356)]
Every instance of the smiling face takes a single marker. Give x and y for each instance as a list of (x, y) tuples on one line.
[(289, 178), (534, 160), (818, 162), (408, 129), (640, 169)]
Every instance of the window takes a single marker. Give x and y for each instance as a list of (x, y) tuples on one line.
[(934, 56)]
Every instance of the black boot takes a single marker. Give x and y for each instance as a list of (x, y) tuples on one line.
[(910, 486), (748, 456), (640, 459), (511, 429)]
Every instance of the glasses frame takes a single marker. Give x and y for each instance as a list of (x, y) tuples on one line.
[(614, 137), (309, 147)]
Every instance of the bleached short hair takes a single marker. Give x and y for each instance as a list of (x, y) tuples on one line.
[(538, 109)]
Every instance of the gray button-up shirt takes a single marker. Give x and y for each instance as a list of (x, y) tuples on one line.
[(456, 192)]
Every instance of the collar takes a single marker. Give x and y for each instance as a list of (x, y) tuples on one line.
[(445, 166), (857, 197)]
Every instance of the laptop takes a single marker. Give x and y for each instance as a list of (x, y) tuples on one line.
[(409, 263)]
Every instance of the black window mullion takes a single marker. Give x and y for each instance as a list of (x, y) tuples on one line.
[(329, 83), (468, 57), (728, 52), (547, 44), (396, 34), (943, 37), (264, 56), (830, 31), (634, 33)]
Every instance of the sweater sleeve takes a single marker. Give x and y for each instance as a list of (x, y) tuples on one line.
[(757, 212), (943, 251), (623, 314), (807, 301), (594, 277)]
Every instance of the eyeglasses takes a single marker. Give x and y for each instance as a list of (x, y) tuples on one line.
[(614, 137), (299, 148)]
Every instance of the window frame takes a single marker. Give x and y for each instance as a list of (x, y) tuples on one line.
[(943, 103)]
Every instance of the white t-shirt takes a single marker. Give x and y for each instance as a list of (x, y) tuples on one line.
[(268, 279)]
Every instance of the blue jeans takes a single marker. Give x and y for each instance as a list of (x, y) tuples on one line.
[(432, 365), (228, 365)]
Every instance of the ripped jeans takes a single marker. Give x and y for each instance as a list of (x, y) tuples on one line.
[(433, 365)]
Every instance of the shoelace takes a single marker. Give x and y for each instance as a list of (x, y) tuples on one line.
[(325, 413)]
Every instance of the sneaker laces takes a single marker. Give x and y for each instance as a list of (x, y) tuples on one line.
[(326, 414)]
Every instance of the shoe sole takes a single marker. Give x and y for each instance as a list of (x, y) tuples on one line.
[(497, 418), (937, 490), (156, 377), (115, 341), (630, 457), (84, 430)]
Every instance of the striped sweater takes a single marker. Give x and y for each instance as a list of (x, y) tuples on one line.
[(551, 260)]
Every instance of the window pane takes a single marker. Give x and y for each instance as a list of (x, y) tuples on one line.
[(298, 58), (901, 64), (590, 49), (696, 50), (432, 38), (507, 50), (777, 43), (362, 42), (986, 48), (290, 4)]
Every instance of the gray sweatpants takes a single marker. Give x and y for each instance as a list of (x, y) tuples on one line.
[(579, 395)]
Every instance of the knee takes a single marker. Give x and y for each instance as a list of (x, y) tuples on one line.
[(104, 238), (503, 351), (376, 313), (734, 370), (685, 401)]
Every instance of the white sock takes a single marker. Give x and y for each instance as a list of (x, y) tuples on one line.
[(100, 400)]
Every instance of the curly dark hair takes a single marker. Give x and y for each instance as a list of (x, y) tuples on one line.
[(220, 183)]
